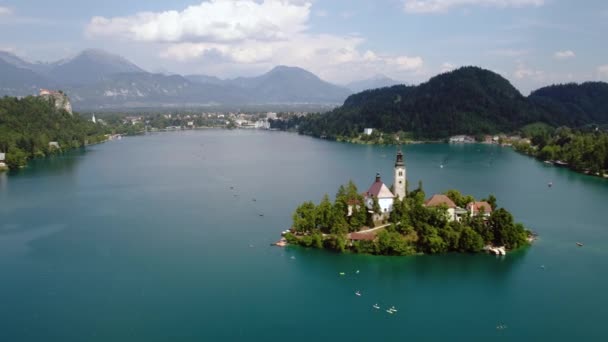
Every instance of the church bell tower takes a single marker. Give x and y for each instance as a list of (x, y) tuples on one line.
[(400, 177)]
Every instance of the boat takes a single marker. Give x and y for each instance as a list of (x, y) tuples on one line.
[(281, 243), (579, 244), (392, 308), (390, 311), (376, 306), (357, 272), (358, 293), (293, 257), (441, 166), (550, 184), (342, 273)]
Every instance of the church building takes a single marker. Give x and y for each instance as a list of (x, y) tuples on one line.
[(383, 194)]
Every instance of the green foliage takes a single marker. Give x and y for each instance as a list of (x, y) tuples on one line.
[(414, 227), (27, 126), (584, 150), (458, 198), (468, 100), (506, 232), (304, 219), (470, 240)]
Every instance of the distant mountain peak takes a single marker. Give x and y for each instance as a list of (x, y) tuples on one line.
[(374, 82)]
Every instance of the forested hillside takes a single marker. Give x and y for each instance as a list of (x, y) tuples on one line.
[(573, 104), (28, 125), (469, 100)]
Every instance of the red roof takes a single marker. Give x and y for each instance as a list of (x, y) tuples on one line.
[(379, 190), (438, 200), (374, 190), (479, 206)]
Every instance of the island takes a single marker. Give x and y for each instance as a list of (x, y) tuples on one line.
[(395, 221)]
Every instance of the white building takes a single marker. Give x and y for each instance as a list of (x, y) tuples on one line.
[(368, 131), (262, 124), (443, 200), (400, 177), (378, 190), (93, 119), (2, 160), (479, 208)]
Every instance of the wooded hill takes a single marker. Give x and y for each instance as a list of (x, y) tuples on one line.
[(469, 100), (28, 125)]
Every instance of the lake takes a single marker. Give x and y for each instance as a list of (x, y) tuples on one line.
[(143, 239)]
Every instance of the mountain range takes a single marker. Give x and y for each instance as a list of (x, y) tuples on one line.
[(378, 81), (95, 79)]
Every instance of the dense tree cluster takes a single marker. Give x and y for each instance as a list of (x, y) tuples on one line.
[(27, 126), (582, 150), (468, 100), (413, 227)]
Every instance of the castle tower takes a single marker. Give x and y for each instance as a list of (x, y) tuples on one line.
[(400, 176)]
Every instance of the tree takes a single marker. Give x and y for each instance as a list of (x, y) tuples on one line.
[(506, 233), (376, 206), (324, 214), (458, 198), (491, 201), (16, 158), (470, 241), (304, 218)]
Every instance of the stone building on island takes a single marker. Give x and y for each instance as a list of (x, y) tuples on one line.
[(380, 192)]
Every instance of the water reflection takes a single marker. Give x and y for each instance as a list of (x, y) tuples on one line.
[(64, 163)]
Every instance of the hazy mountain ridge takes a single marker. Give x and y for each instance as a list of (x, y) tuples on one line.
[(378, 81), (97, 79)]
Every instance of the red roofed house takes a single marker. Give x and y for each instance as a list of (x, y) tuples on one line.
[(439, 200), (371, 236), (479, 208)]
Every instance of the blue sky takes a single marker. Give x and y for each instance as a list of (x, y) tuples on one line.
[(530, 42)]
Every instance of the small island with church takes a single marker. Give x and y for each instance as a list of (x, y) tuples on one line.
[(395, 221)]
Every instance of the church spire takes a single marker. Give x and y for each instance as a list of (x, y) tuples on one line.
[(400, 176), (399, 160)]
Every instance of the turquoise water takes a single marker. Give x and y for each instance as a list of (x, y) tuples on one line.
[(142, 239)]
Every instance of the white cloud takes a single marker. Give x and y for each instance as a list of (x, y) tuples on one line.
[(524, 72), (438, 6), (252, 36), (327, 55), (566, 54), (445, 67), (5, 11), (407, 63), (214, 20), (602, 70)]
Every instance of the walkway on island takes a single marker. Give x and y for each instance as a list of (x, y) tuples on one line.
[(366, 234), (373, 229)]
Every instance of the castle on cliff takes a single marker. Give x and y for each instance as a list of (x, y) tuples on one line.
[(59, 98)]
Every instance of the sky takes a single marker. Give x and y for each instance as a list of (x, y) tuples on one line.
[(532, 43)]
